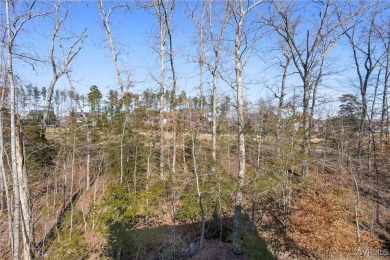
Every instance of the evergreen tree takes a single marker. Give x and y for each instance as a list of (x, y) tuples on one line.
[(94, 98)]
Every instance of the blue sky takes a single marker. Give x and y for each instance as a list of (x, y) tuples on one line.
[(135, 37)]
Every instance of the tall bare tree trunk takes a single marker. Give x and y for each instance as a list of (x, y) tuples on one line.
[(135, 170), (385, 108), (306, 127), (237, 221), (25, 202), (216, 42), (71, 186), (201, 58), (15, 175), (158, 4), (199, 193), (6, 187), (105, 16), (357, 203), (240, 11), (121, 148), (167, 18), (88, 170), (3, 174), (281, 96)]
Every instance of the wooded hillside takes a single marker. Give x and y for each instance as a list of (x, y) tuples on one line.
[(161, 173)]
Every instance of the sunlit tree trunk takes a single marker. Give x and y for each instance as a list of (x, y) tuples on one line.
[(237, 222), (158, 5), (239, 11), (167, 18), (105, 17), (199, 193), (121, 149), (71, 186), (15, 174), (25, 201), (216, 40), (3, 173), (280, 97), (88, 170)]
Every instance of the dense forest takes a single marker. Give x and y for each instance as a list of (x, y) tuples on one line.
[(206, 171)]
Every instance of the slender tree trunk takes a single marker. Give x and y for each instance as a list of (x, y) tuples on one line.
[(71, 187), (202, 230), (135, 170), (57, 74), (148, 175), (385, 109), (237, 221), (163, 33), (228, 157), (281, 103), (4, 179), (114, 55), (214, 69), (357, 203), (121, 153), (306, 129), (201, 59), (214, 118), (167, 17), (25, 202), (88, 158), (362, 128), (15, 174), (174, 84), (240, 11)]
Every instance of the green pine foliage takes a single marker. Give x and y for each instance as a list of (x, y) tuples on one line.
[(117, 215), (66, 244)]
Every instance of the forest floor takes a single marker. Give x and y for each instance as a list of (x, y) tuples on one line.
[(316, 205)]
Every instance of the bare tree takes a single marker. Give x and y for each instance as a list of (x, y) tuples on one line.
[(105, 16), (3, 174), (213, 63), (199, 193), (384, 36), (366, 57), (211, 32), (80, 107), (59, 69), (25, 199), (164, 10), (309, 48), (14, 24), (168, 15), (199, 23), (240, 10), (281, 96)]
